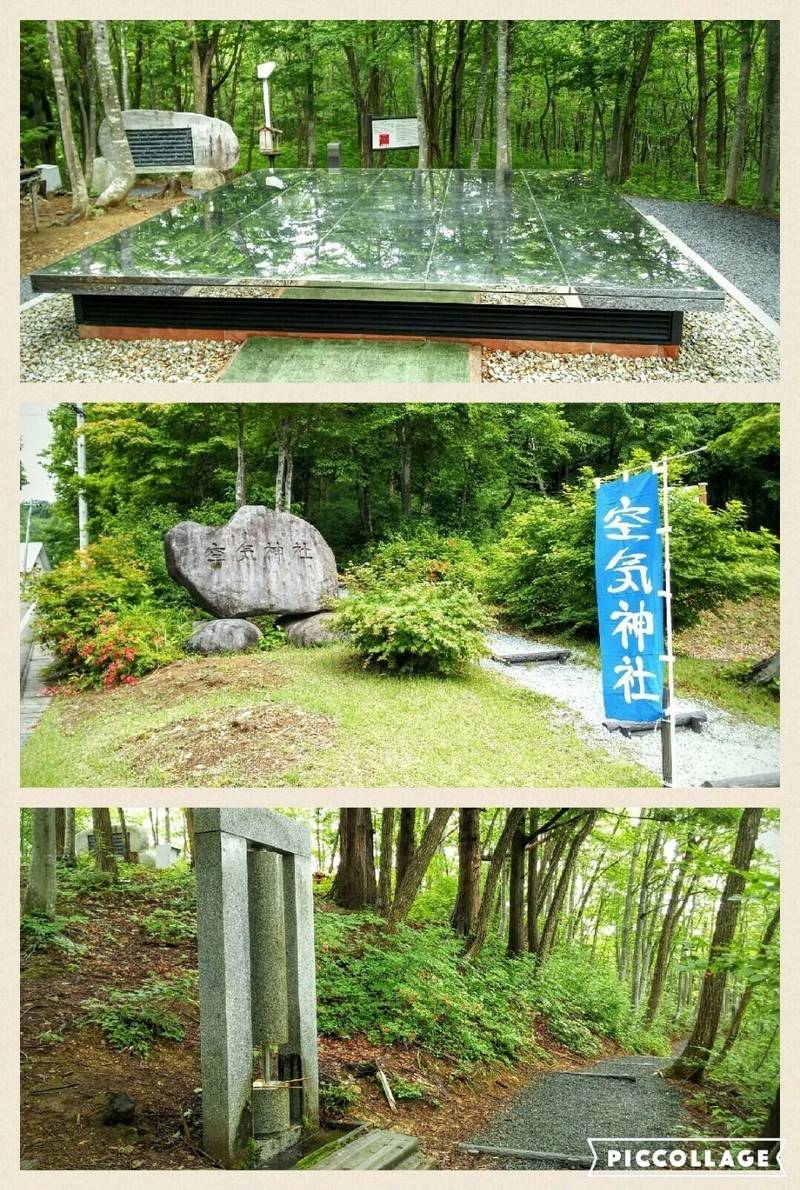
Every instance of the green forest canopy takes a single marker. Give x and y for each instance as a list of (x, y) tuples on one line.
[(679, 108), (365, 472)]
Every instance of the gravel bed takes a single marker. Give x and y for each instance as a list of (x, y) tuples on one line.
[(731, 346), (727, 747), (490, 298), (741, 245), (556, 1113), (50, 350)]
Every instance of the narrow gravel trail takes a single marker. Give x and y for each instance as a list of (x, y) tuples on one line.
[(743, 246), (557, 1112), (727, 747)]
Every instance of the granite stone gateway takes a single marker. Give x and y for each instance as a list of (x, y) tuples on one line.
[(261, 563)]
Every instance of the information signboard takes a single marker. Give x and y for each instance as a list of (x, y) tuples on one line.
[(388, 132)]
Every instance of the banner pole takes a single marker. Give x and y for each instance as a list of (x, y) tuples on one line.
[(668, 722)]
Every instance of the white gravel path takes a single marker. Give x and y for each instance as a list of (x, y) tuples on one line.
[(51, 350), (726, 748)]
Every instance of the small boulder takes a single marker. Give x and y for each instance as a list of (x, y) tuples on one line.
[(121, 1109), (207, 179), (311, 631), (224, 636)]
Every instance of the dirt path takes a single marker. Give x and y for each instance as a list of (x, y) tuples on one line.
[(557, 1112), (727, 747)]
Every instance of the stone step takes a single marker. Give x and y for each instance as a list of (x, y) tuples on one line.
[(555, 654), (378, 1149)]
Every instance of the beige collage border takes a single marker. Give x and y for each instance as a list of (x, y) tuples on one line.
[(14, 394)]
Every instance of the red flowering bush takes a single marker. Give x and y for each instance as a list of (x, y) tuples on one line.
[(95, 613)]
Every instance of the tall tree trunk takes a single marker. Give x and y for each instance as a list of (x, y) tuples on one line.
[(770, 126), (104, 858), (40, 891), (120, 159), (69, 837), (628, 119), (475, 942), (385, 870), (638, 966), (551, 921), (733, 177), (61, 831), (126, 843), (354, 885), (669, 922), (503, 155), (310, 102), (747, 994), (202, 58), (415, 872), (701, 128), (533, 880), (627, 914), (240, 496), (721, 100), (456, 88), (468, 893), (480, 102), (188, 817), (693, 1062), (123, 67), (87, 98), (516, 891), (406, 843), (77, 182), (424, 153)]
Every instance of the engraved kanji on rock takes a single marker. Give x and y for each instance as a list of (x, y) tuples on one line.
[(262, 562)]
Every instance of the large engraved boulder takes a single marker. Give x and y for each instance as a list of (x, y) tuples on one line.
[(262, 562)]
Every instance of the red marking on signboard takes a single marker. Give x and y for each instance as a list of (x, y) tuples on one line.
[(383, 139)]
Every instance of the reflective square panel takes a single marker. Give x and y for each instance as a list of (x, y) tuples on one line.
[(521, 232)]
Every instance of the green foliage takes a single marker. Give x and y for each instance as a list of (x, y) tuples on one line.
[(542, 570), (422, 628), (50, 1037), (39, 933), (426, 556), (170, 926), (95, 612), (410, 1090), (411, 988), (337, 1095), (581, 999), (135, 1018)]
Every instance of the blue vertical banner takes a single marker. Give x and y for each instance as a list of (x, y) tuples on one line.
[(629, 573)]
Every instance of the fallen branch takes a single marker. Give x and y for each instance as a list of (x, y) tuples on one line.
[(528, 1154), (387, 1090), (626, 1078), (50, 1090)]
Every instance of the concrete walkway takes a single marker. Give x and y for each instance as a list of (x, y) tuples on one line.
[(33, 661)]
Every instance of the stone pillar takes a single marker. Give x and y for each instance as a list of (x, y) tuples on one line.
[(302, 985), (223, 942)]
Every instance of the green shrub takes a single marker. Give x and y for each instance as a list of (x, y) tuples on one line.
[(542, 570), (405, 1089), (424, 628), (336, 1096), (170, 926), (39, 933), (411, 987), (426, 557), (95, 612), (134, 1019)]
